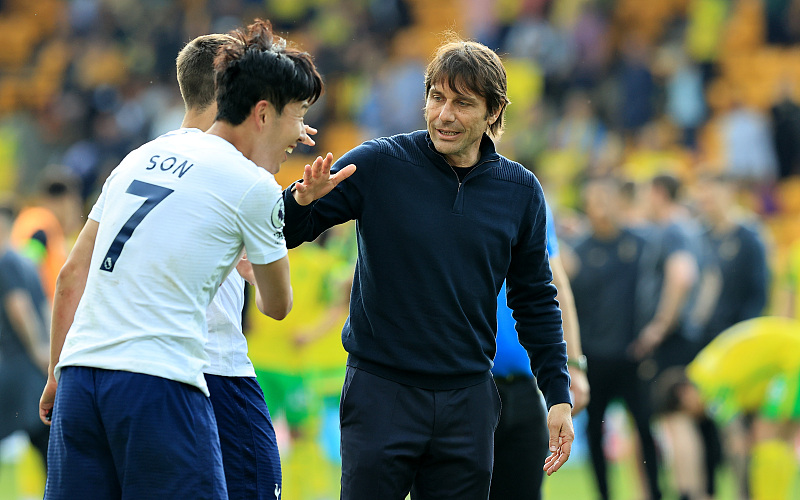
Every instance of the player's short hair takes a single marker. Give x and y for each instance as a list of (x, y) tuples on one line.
[(668, 183), (259, 66), (195, 65), (471, 66), (7, 212), (665, 396)]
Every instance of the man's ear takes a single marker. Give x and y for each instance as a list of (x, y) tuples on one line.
[(263, 113), (493, 117)]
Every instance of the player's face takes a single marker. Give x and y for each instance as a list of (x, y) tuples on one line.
[(286, 131), (456, 123)]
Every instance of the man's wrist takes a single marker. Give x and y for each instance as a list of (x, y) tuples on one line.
[(579, 362)]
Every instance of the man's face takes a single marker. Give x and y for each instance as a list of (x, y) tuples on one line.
[(284, 132), (456, 123)]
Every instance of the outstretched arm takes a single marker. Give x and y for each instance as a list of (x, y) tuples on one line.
[(69, 290)]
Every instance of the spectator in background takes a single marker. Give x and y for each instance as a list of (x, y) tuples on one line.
[(667, 287), (604, 278), (520, 440), (786, 131), (41, 231), (748, 144), (24, 354), (637, 86), (686, 102)]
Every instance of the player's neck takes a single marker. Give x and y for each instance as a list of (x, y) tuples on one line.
[(199, 119)]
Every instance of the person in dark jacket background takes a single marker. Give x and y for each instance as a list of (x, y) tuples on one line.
[(442, 220)]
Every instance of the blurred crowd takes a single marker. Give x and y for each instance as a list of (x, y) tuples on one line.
[(632, 114)]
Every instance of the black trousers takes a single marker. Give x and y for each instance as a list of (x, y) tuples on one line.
[(397, 438), (611, 379), (520, 441)]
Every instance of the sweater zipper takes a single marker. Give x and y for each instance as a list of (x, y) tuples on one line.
[(458, 205), (456, 173)]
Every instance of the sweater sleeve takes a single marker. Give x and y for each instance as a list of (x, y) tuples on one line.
[(532, 297), (343, 203)]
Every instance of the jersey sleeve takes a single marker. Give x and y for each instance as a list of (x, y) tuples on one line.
[(96, 213), (261, 219)]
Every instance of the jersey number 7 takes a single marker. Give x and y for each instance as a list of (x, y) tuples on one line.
[(153, 196)]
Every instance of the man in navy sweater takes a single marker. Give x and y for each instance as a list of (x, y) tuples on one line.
[(442, 220)]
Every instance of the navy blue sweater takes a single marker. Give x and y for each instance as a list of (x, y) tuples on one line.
[(432, 256)]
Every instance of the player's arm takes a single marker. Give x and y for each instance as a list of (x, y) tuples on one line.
[(680, 274), (22, 315), (273, 288), (69, 290), (579, 384)]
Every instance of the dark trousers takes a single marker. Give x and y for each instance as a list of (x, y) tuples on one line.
[(610, 379), (397, 438), (520, 441)]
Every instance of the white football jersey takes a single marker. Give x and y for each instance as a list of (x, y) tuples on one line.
[(173, 218), (227, 346)]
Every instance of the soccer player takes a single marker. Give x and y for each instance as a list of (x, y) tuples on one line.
[(442, 220), (247, 439), (131, 416), (751, 368)]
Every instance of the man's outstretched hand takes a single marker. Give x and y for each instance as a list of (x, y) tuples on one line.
[(318, 181)]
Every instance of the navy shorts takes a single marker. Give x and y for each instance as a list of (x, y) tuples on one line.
[(249, 449), (123, 435)]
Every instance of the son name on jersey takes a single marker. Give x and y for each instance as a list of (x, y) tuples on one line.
[(170, 163)]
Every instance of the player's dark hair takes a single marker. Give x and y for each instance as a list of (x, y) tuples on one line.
[(7, 212), (195, 66), (669, 184), (665, 396), (56, 181), (259, 66), (467, 66)]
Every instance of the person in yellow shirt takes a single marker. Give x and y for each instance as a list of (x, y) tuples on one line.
[(752, 368)]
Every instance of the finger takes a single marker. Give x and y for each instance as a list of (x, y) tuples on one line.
[(316, 168), (552, 463), (306, 176), (308, 141), (343, 174), (311, 130), (554, 438), (326, 164), (45, 413)]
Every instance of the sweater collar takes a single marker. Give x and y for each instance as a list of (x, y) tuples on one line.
[(488, 154)]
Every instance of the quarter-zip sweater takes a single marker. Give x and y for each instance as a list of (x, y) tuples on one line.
[(432, 256)]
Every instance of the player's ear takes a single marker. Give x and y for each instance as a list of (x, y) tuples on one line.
[(263, 112)]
